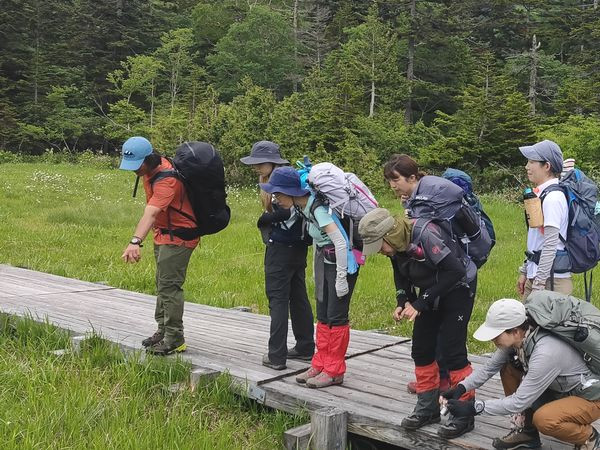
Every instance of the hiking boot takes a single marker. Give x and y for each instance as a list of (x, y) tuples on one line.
[(293, 354), (310, 373), (415, 421), (323, 380), (271, 365), (154, 339), (164, 349), (593, 443), (518, 438), (427, 410), (456, 426)]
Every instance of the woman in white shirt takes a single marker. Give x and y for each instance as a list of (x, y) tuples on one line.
[(545, 245)]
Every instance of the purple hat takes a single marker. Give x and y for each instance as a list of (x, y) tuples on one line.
[(284, 180)]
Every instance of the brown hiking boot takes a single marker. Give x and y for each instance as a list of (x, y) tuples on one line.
[(518, 438), (323, 380), (593, 443), (154, 339), (310, 373), (164, 349)]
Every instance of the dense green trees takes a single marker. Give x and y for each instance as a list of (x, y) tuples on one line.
[(352, 81)]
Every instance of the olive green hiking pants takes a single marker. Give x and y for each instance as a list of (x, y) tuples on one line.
[(171, 267)]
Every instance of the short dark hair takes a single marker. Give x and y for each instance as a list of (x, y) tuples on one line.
[(523, 327), (153, 160)]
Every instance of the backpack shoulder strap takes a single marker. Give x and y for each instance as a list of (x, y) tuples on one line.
[(551, 188), (163, 174)]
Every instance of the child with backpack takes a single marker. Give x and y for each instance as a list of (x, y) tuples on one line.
[(333, 283), (283, 230), (547, 264), (433, 291), (553, 381)]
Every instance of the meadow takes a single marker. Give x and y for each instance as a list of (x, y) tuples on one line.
[(75, 220), (98, 399)]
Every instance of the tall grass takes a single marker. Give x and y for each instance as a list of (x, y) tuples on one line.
[(99, 399), (75, 220)]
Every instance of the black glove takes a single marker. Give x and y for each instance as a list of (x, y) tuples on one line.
[(455, 393), (462, 408), (268, 218)]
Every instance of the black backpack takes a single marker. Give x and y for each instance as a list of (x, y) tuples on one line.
[(200, 167)]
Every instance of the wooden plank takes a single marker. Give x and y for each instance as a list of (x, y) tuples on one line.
[(329, 428), (297, 438)]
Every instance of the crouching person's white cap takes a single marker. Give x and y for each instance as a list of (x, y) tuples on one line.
[(503, 315)]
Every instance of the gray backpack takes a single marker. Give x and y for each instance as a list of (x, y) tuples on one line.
[(343, 191), (442, 201), (575, 321)]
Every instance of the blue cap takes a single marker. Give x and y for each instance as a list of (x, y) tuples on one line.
[(285, 180), (135, 149)]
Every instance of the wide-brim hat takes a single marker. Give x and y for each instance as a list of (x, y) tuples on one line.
[(373, 227), (264, 152), (284, 180)]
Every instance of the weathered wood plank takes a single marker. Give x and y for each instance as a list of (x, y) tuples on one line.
[(329, 428), (297, 438)]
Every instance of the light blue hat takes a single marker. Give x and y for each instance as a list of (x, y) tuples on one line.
[(135, 149)]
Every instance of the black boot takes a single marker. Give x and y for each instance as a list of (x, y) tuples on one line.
[(456, 426), (427, 410)]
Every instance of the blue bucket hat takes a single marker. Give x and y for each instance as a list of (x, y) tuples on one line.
[(285, 180), (135, 149), (545, 151)]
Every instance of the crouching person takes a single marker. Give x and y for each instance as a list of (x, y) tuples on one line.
[(542, 376)]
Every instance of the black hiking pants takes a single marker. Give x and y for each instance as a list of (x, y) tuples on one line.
[(285, 285), (447, 327)]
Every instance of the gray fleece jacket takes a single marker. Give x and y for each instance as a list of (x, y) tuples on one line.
[(553, 365)]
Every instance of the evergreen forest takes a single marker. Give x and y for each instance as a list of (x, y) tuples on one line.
[(460, 83)]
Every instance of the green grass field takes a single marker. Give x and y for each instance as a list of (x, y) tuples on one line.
[(75, 220), (99, 400)]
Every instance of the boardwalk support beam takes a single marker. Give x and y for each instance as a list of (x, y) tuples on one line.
[(297, 438), (329, 429), (202, 375)]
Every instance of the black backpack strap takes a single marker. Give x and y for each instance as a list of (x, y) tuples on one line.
[(163, 174), (171, 174)]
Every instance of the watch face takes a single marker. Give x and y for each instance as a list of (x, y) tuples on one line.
[(479, 406)]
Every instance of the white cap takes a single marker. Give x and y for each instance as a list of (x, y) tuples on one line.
[(503, 315)]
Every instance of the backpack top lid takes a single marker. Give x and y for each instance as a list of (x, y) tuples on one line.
[(196, 158), (580, 188), (459, 178), (435, 198), (344, 191)]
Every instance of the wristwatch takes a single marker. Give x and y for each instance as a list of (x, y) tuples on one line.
[(136, 241), (479, 406)]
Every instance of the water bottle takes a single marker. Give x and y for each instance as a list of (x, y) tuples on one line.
[(533, 209)]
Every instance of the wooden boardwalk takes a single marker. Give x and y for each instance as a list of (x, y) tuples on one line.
[(373, 394)]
